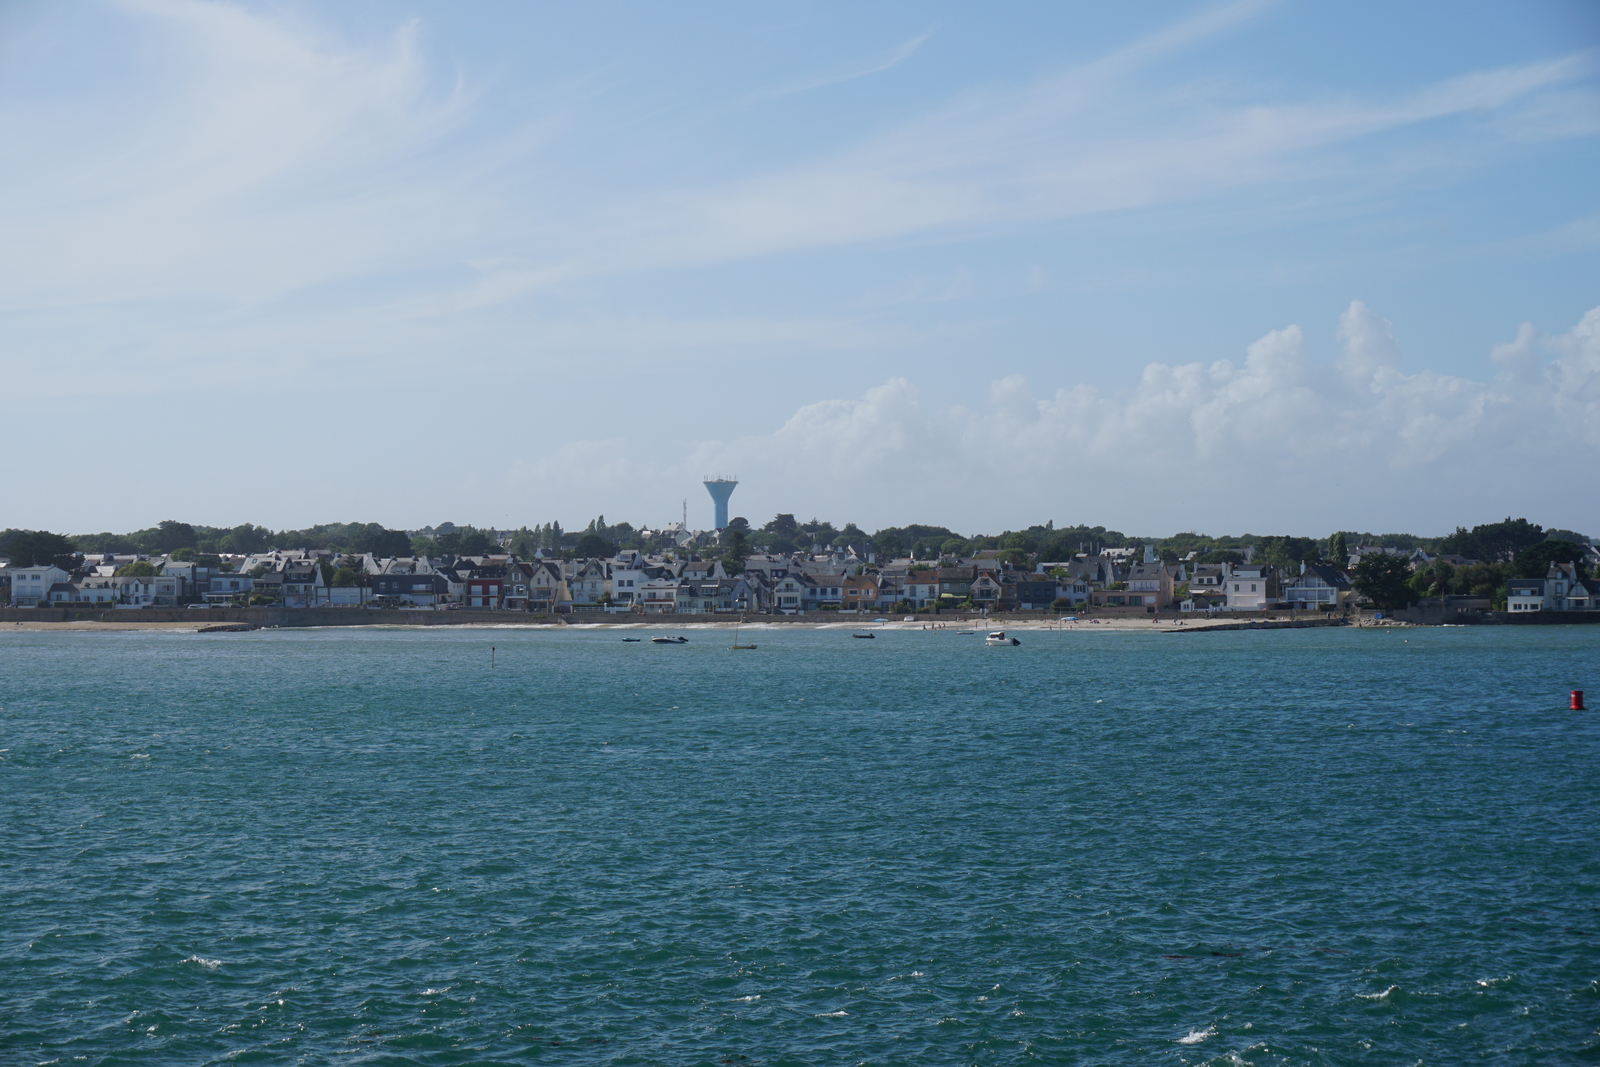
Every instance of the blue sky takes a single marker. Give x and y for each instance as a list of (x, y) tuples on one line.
[(1251, 266)]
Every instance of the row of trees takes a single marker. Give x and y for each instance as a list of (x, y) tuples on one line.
[(1390, 582), (1493, 543)]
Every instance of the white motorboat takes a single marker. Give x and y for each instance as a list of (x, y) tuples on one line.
[(999, 637)]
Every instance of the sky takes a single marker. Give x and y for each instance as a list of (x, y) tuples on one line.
[(1282, 267)]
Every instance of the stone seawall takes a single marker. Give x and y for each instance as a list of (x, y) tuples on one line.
[(286, 617), (296, 617)]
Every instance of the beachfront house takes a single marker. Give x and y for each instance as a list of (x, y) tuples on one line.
[(1252, 587), (789, 593), (860, 592), (1036, 592), (658, 596), (30, 586), (1149, 585), (985, 590), (1561, 589), (417, 590), (1318, 587), (922, 588), (590, 582), (824, 591), (485, 590), (303, 585)]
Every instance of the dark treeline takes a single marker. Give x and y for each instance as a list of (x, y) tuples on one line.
[(1492, 544)]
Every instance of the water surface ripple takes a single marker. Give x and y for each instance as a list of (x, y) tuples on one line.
[(364, 846)]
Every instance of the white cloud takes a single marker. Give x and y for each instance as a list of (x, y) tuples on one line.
[(1272, 443), (251, 158)]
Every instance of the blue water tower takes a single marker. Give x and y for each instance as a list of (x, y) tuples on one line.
[(721, 489)]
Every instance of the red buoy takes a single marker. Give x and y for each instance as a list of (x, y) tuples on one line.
[(1577, 700)]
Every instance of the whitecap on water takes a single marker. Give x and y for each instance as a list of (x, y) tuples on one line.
[(209, 965), (830, 1015), (1194, 1037), (746, 1000), (1378, 996), (436, 992)]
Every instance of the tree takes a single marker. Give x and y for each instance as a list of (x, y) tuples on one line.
[(40, 548), (1061, 603), (736, 549), (819, 532), (1493, 542), (102, 543), (782, 534), (171, 534), (1221, 556), (381, 542), (137, 569), (1338, 551), (888, 544), (244, 539), (1286, 553), (739, 522), (592, 546), (344, 578), (782, 525), (1383, 579), (851, 536), (1535, 562)]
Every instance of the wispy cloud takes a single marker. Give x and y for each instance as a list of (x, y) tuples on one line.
[(270, 158), (1103, 137), (893, 58), (262, 160)]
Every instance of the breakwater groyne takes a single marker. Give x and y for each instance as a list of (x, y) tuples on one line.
[(1258, 624)]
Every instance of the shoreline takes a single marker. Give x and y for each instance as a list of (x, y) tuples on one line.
[(664, 624)]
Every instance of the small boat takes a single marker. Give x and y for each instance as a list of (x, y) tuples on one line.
[(999, 638), (669, 640), (736, 646), (865, 637), (966, 633), (630, 640)]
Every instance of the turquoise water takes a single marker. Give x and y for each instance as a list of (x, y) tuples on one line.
[(367, 847)]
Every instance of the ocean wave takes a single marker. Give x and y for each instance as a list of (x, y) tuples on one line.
[(1194, 1037), (209, 965)]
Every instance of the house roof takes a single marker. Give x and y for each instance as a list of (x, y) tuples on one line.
[(1330, 575)]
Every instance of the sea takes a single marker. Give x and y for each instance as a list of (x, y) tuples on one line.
[(549, 846)]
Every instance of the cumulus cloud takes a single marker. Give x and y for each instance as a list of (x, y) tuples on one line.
[(1275, 441)]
